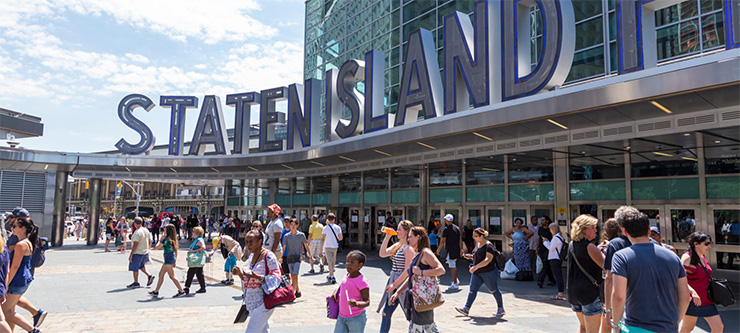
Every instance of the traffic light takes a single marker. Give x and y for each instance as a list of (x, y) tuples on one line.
[(87, 185)]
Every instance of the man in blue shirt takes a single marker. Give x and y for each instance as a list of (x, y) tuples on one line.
[(649, 281)]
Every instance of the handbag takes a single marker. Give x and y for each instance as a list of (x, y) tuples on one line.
[(283, 294), (425, 291), (332, 306), (196, 259), (718, 290)]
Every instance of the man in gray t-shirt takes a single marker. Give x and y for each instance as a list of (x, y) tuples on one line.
[(649, 281)]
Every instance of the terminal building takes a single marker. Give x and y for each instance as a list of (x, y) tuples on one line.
[(489, 111)]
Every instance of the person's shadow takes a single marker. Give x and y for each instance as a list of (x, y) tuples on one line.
[(120, 290)]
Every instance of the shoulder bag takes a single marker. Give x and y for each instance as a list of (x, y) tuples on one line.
[(332, 306), (196, 259), (335, 234), (425, 291), (499, 259), (718, 290), (283, 294), (573, 254)]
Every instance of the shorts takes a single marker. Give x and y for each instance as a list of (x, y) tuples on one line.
[(137, 262), (294, 268), (169, 258), (701, 311), (331, 255), (109, 236), (451, 262), (230, 263), (278, 252), (589, 309), (315, 247), (18, 290)]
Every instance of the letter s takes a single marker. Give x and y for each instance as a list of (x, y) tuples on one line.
[(125, 112)]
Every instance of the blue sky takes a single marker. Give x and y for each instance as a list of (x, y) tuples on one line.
[(71, 62)]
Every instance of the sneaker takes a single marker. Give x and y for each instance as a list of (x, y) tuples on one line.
[(150, 280), (298, 294), (226, 282), (229, 282), (186, 291), (311, 271), (321, 266), (539, 284), (38, 319), (500, 312), (154, 293), (35, 330), (328, 278), (454, 286), (134, 285), (200, 291), (551, 283), (333, 280), (179, 293), (463, 311)]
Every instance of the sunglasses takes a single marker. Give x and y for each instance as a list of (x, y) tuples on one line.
[(707, 243)]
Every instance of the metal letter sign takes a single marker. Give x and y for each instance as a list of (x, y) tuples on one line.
[(348, 95), (211, 128), (179, 105), (269, 118), (636, 33), (421, 86), (304, 113), (375, 117), (558, 46), (243, 104), (465, 73), (125, 113)]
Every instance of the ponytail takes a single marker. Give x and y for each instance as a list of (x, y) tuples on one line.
[(32, 231)]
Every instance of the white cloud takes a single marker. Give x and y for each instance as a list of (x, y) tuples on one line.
[(226, 20)]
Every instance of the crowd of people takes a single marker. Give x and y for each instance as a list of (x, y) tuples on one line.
[(612, 281)]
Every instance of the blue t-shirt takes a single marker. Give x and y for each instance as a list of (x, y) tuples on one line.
[(615, 245), (282, 236), (652, 273), (432, 239)]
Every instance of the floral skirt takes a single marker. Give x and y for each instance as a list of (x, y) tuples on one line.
[(521, 256)]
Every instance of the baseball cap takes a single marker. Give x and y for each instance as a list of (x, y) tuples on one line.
[(274, 208), (19, 212), (449, 217), (655, 229)]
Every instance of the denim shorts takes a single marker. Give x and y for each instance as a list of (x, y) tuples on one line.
[(138, 261), (451, 262), (18, 290), (588, 310), (169, 258), (294, 268)]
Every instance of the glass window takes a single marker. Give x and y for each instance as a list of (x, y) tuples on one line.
[(415, 8), (727, 226), (723, 187), (405, 177), (531, 167), (584, 9), (678, 162), (376, 180), (679, 31), (302, 185), (283, 186), (713, 31), (322, 184), (263, 187), (533, 192), (683, 223), (350, 182), (587, 64), (728, 260), (598, 191), (589, 163), (494, 221), (589, 33), (235, 187), (685, 188), (448, 173), (484, 171)]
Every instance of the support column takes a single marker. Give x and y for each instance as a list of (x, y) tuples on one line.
[(562, 189), (60, 204), (93, 223)]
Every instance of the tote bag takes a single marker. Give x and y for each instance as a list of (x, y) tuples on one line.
[(425, 291), (196, 259)]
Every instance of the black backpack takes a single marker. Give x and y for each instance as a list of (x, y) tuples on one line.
[(563, 253)]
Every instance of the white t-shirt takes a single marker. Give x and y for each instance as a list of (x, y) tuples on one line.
[(274, 226), (330, 242), (165, 222)]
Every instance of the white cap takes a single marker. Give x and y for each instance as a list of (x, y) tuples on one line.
[(449, 217)]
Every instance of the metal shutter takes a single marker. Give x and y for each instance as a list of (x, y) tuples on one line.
[(22, 189), (33, 192), (11, 190)]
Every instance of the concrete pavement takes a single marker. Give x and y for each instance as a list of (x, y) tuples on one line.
[(84, 290)]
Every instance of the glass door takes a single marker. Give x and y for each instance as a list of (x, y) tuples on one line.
[(681, 221), (725, 232)]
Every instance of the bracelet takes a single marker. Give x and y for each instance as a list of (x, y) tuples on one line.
[(611, 322), (607, 310)]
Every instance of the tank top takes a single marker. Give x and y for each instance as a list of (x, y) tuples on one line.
[(23, 277), (399, 260), (581, 291), (518, 235), (167, 246)]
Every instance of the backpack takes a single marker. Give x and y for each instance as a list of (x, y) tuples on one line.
[(499, 259), (563, 253), (38, 257)]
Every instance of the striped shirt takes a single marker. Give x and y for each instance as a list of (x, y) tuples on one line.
[(399, 260)]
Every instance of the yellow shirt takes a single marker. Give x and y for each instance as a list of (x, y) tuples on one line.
[(315, 230)]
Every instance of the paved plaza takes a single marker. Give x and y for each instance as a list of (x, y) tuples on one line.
[(84, 290)]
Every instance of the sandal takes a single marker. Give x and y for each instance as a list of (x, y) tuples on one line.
[(557, 298)]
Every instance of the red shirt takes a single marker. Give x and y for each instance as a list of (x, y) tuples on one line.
[(699, 280)]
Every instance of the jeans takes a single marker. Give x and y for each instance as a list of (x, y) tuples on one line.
[(491, 281), (558, 272), (351, 324), (388, 309), (533, 261), (258, 320)]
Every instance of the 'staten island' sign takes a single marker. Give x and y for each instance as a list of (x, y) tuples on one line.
[(483, 63)]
